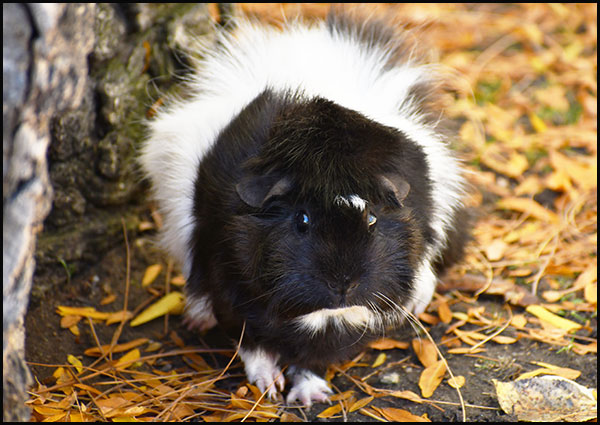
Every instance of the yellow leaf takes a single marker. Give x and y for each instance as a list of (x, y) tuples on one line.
[(407, 395), (528, 206), (590, 293), (128, 359), (118, 317), (81, 311), (552, 319), (457, 381), (584, 175), (431, 378), (518, 321), (425, 351), (75, 362), (565, 372), (388, 344), (360, 403), (537, 123), (444, 312), (495, 251), (379, 360), (330, 411), (178, 280), (119, 348), (501, 339), (151, 274), (399, 415), (171, 302)]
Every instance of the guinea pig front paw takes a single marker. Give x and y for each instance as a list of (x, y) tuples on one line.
[(262, 370), (199, 313), (307, 388)]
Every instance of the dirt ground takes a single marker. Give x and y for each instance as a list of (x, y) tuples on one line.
[(47, 343)]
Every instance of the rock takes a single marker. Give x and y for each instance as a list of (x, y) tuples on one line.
[(44, 52)]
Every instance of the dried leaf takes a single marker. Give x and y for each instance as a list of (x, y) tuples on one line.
[(495, 251), (330, 411), (425, 351), (379, 360), (399, 415), (431, 378), (552, 319), (151, 274), (456, 382), (407, 395), (360, 404), (128, 359), (170, 303), (502, 339), (75, 362), (68, 321), (119, 348), (547, 399), (388, 344), (444, 312), (565, 372), (528, 206), (81, 311)]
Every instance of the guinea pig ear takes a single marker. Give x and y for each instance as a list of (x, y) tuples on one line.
[(256, 190), (396, 186)]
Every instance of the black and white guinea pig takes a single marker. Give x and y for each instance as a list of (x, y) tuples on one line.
[(308, 192)]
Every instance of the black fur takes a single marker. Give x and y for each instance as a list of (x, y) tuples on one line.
[(254, 263)]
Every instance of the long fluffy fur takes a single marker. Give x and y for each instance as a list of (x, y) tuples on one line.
[(331, 61), (359, 66)]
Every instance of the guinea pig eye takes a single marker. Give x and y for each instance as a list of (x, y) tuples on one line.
[(302, 221), (371, 220)]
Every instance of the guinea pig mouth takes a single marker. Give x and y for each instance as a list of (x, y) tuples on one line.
[(354, 316)]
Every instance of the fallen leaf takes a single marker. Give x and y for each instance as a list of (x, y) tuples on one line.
[(457, 381), (128, 359), (379, 360), (75, 362), (405, 394), (119, 348), (425, 351), (388, 344), (68, 321), (495, 251), (552, 319), (81, 311), (399, 415), (431, 378), (529, 206), (444, 312), (546, 399), (565, 372), (169, 304), (330, 411), (360, 403), (151, 274)]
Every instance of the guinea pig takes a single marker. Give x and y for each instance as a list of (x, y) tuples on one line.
[(308, 191)]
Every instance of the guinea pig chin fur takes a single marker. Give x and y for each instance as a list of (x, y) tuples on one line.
[(307, 190)]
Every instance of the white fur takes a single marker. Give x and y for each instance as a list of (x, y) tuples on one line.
[(354, 316), (199, 312), (262, 370), (307, 387), (301, 58), (354, 201)]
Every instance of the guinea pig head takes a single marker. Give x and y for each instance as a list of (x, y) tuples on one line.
[(303, 253)]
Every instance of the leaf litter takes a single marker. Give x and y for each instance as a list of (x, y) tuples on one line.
[(527, 101)]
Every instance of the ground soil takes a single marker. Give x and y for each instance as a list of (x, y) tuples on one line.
[(47, 343)]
